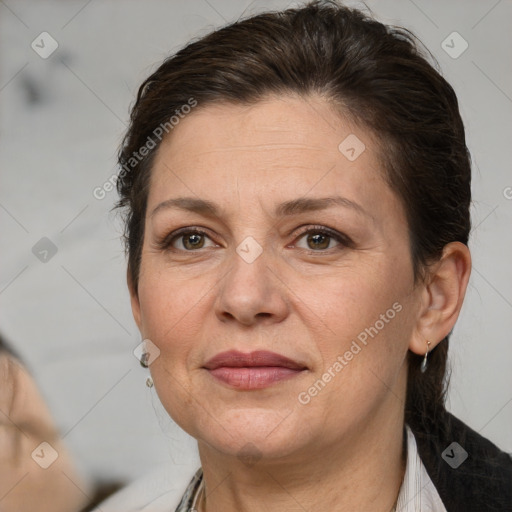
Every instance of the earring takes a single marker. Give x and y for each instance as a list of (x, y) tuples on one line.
[(424, 363), (144, 358), (149, 382)]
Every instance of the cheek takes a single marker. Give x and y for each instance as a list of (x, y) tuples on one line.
[(350, 302), (363, 330), (166, 297), (361, 367), (170, 318)]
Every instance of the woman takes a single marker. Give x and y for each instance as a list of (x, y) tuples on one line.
[(297, 191)]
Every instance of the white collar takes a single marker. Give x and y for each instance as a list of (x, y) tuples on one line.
[(417, 491), (170, 490)]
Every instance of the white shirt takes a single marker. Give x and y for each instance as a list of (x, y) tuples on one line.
[(417, 492), (163, 490)]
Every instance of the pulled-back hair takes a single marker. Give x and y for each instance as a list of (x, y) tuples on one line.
[(375, 75)]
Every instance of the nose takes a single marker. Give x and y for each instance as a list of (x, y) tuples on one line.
[(251, 291)]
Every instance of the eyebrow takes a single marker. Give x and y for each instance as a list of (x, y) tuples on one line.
[(292, 207)]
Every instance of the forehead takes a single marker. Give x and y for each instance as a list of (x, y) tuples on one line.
[(272, 126), (278, 147)]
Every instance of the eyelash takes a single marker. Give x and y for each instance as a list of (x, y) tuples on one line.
[(166, 242)]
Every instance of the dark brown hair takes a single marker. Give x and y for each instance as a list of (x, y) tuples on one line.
[(376, 75)]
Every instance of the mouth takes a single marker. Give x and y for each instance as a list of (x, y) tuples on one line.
[(255, 370)]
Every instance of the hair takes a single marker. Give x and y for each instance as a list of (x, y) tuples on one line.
[(5, 348), (377, 76)]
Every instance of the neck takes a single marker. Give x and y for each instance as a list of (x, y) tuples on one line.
[(364, 471)]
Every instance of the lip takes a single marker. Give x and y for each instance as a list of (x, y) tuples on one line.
[(254, 370)]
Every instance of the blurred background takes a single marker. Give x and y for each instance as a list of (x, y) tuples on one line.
[(69, 71)]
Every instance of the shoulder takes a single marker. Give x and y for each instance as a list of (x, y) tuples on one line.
[(467, 469), (159, 491)]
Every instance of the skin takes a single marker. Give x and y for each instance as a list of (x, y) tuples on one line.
[(25, 423), (305, 299)]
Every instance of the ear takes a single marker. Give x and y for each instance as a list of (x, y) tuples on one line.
[(441, 297), (134, 298)]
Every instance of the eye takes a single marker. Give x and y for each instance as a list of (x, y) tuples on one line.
[(186, 239), (321, 238), (317, 239)]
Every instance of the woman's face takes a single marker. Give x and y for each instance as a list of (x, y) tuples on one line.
[(253, 286)]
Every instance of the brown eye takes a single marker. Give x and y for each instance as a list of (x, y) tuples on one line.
[(193, 241), (320, 239), (187, 240)]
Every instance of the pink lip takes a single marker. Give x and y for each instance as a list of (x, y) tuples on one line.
[(255, 370)]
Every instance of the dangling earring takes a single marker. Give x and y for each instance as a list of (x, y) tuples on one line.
[(424, 363), (144, 358), (149, 382)]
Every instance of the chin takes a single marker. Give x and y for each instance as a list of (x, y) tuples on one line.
[(250, 433)]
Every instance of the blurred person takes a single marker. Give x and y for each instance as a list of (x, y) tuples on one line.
[(37, 472)]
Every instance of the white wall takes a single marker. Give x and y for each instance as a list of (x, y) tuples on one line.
[(61, 120)]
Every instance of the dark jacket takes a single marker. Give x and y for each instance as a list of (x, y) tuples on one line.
[(481, 483)]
